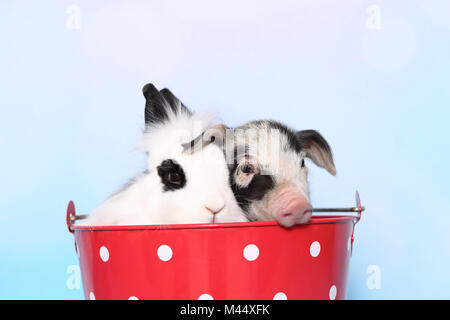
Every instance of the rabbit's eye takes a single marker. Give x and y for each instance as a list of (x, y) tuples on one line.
[(172, 175), (248, 168)]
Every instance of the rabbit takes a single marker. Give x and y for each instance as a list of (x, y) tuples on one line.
[(268, 173), (178, 186)]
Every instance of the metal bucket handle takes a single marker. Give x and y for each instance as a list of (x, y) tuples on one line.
[(71, 217), (357, 209)]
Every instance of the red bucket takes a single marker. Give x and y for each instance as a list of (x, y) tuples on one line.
[(250, 260)]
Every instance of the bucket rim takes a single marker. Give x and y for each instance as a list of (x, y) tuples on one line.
[(224, 225)]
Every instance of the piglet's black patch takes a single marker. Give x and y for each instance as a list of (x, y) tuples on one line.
[(256, 189), (292, 140), (172, 175)]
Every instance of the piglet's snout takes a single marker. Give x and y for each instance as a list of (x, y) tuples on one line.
[(291, 208)]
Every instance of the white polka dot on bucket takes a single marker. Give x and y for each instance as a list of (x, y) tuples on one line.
[(91, 296), (205, 296), (314, 249), (280, 296), (133, 298), (251, 252), (164, 252), (333, 292), (104, 253)]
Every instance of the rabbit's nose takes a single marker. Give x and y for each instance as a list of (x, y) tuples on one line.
[(214, 210)]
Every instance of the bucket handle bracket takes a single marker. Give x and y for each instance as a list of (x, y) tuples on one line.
[(357, 218), (70, 215)]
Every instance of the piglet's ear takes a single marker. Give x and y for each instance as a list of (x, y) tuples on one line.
[(317, 149), (215, 134)]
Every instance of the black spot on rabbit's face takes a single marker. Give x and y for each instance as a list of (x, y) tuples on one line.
[(172, 175)]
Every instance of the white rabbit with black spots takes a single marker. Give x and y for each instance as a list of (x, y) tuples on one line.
[(178, 186)]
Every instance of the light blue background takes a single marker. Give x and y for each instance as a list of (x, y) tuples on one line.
[(72, 111)]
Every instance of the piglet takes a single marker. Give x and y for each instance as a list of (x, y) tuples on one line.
[(268, 175)]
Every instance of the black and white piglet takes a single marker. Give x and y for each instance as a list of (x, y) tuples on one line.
[(268, 175)]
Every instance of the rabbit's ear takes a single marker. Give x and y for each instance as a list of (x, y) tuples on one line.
[(155, 105), (174, 102), (158, 104)]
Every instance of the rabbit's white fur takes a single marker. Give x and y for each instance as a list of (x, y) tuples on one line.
[(144, 201)]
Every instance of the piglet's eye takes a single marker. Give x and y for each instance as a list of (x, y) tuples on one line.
[(248, 168), (303, 163)]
